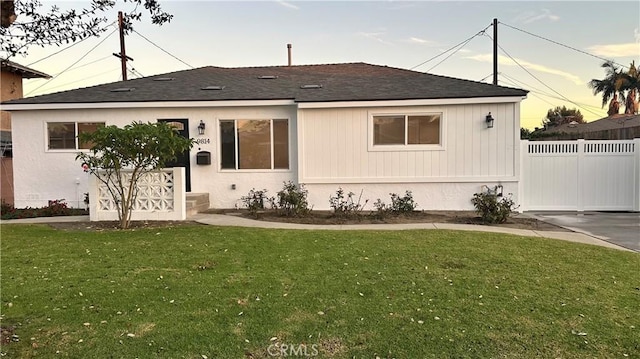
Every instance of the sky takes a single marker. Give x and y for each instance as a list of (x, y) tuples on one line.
[(402, 34)]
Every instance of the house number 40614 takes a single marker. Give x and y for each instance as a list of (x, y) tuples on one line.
[(203, 141)]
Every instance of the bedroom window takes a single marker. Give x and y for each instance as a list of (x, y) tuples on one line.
[(254, 144), (64, 135), (407, 130)]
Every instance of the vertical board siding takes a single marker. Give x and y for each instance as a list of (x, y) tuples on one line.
[(581, 175), (336, 146)]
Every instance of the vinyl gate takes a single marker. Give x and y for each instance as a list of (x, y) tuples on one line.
[(580, 175)]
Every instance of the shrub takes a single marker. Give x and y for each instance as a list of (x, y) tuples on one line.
[(404, 204), (346, 207), (399, 205), (255, 201), (55, 208), (291, 201), (492, 210)]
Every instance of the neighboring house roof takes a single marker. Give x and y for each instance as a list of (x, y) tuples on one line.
[(603, 124), (339, 82), (24, 71)]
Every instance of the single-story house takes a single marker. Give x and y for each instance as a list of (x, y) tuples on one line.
[(11, 76), (358, 126), (613, 127)]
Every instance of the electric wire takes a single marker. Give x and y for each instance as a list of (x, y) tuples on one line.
[(453, 47), (563, 45), (532, 89), (542, 82), (66, 48), (453, 53), (73, 64), (84, 78), (163, 50)]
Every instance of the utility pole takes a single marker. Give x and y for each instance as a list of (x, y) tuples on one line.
[(123, 54), (495, 51)]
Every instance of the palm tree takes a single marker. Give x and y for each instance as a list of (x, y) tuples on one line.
[(631, 83), (611, 85)]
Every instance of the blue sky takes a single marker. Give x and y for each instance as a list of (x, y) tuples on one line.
[(394, 33)]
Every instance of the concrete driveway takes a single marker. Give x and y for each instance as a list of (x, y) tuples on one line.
[(622, 229)]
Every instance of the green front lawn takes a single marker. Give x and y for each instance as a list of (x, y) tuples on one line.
[(201, 291)]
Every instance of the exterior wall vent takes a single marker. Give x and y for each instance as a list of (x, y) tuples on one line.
[(215, 88), (306, 87)]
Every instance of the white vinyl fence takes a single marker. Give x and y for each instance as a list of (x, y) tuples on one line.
[(580, 175), (161, 196)]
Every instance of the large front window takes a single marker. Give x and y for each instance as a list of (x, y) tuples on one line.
[(254, 144), (406, 129), (64, 135)]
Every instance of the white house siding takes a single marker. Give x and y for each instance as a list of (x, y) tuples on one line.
[(334, 151), (41, 175)]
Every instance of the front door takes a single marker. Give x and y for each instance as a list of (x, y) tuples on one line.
[(182, 160)]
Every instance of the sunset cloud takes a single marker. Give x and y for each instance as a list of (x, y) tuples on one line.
[(533, 16), (504, 60), (287, 4), (376, 36), (616, 50)]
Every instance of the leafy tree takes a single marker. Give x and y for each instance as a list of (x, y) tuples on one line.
[(561, 115), (25, 23), (140, 148), (525, 133)]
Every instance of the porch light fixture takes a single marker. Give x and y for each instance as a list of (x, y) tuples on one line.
[(489, 120), (201, 128)]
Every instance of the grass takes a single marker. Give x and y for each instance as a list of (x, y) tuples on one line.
[(196, 291)]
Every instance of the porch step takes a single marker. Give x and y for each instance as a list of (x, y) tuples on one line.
[(196, 202)]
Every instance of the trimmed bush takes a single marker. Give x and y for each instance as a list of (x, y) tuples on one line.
[(55, 208), (291, 201), (492, 210)]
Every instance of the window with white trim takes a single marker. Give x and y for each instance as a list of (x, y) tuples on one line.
[(254, 144), (407, 130), (64, 135)]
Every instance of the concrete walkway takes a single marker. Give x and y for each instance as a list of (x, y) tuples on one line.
[(237, 221)]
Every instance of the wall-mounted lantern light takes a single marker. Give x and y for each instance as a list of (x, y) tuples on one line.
[(489, 120), (201, 127)]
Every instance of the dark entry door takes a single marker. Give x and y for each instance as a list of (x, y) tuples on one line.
[(182, 127)]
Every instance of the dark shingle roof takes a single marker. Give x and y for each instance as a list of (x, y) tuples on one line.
[(24, 71), (340, 82)]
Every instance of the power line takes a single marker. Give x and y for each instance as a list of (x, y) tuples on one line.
[(563, 45), (66, 48), (163, 50), (83, 79), (540, 81), (453, 47), (73, 64), (453, 53), (89, 63)]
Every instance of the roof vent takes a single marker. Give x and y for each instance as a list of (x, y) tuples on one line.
[(213, 88), (164, 79), (305, 87), (123, 89), (268, 77)]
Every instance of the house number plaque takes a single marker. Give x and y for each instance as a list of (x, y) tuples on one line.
[(203, 141)]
